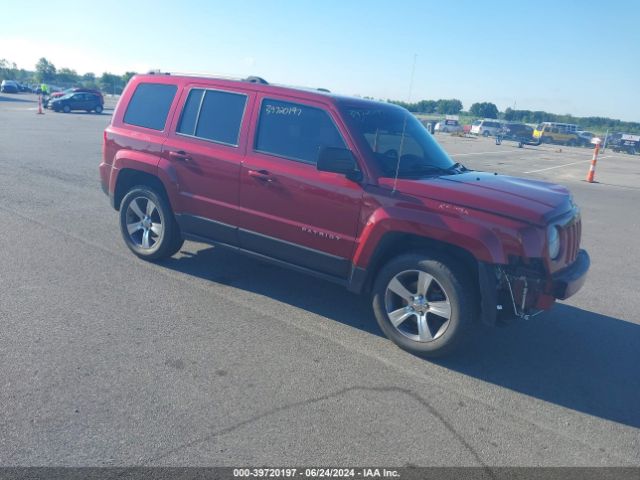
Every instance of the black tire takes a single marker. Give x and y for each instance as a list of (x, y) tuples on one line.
[(486, 133), (452, 281), (98, 109), (164, 245), (66, 109)]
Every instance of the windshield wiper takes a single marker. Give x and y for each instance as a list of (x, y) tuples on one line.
[(457, 166)]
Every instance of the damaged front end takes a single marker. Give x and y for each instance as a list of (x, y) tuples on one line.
[(519, 290)]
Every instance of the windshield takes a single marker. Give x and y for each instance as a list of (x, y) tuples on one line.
[(381, 129)]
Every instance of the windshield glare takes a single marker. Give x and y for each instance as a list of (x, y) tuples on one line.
[(381, 129)]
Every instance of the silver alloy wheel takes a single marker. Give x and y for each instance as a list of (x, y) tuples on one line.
[(417, 306), (144, 223)]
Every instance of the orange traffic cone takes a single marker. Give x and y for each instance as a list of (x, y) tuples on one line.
[(592, 169)]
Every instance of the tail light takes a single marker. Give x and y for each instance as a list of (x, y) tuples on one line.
[(104, 145)]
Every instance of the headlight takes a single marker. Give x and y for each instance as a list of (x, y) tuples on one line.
[(553, 241)]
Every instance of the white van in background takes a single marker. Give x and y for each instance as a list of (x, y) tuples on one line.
[(487, 127)]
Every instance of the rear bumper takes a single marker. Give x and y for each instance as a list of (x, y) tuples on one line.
[(568, 281), (105, 175)]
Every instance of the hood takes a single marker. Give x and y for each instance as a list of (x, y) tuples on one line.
[(531, 201)]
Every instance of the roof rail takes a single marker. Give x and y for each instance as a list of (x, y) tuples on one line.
[(249, 79), (254, 79), (200, 74)]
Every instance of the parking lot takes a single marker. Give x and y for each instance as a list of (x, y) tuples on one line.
[(212, 359)]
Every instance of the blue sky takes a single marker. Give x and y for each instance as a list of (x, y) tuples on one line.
[(559, 56)]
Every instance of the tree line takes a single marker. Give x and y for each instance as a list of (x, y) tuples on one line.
[(490, 110), (451, 106), (586, 123), (46, 72), (442, 106)]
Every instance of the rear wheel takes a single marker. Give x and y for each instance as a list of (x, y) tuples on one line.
[(486, 133), (147, 224), (98, 109), (424, 303)]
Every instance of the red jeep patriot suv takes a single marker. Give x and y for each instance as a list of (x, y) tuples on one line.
[(350, 190)]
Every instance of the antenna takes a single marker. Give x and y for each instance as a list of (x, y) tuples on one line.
[(404, 126)]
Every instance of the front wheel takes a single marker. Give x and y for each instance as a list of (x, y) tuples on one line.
[(424, 303), (66, 109), (147, 224)]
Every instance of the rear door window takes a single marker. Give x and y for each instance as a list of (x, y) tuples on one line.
[(213, 115), (149, 105), (295, 131)]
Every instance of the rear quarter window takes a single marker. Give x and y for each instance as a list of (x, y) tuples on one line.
[(149, 105)]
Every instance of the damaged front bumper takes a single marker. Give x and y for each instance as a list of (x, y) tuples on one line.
[(508, 292)]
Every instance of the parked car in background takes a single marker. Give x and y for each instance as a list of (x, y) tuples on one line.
[(625, 143), (486, 127), (584, 138), (558, 133), (516, 132), (9, 86), (62, 93), (448, 126), (78, 101)]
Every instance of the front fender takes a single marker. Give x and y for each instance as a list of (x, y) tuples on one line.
[(453, 226)]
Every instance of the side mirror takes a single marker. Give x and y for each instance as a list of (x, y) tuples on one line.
[(338, 160)]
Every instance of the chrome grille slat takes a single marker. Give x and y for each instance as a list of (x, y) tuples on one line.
[(571, 234)]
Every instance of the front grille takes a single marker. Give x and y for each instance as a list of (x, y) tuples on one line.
[(571, 234)]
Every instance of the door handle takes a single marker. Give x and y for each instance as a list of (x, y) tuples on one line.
[(180, 155), (262, 175)]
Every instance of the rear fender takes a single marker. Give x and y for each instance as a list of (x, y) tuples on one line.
[(146, 163), (134, 160)]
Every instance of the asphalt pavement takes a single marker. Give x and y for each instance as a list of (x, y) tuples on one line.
[(209, 358)]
